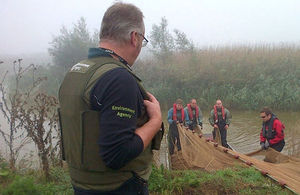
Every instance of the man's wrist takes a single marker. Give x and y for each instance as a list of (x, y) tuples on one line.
[(156, 122)]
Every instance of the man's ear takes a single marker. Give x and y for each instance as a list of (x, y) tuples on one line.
[(134, 38)]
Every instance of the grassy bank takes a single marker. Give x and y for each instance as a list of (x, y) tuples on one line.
[(32, 182), (235, 180)]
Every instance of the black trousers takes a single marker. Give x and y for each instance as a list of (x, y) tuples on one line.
[(223, 133), (278, 146), (173, 138), (134, 186)]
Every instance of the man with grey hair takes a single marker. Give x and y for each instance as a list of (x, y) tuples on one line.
[(110, 124)]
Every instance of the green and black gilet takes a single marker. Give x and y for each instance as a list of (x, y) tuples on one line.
[(80, 129)]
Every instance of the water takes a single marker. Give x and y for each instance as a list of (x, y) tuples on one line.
[(244, 131), (28, 155)]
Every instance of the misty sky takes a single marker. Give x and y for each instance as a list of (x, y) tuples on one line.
[(27, 26)]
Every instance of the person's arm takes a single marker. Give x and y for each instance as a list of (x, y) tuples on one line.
[(170, 116), (187, 117), (212, 118), (263, 143), (149, 129), (278, 127), (262, 138), (200, 117), (117, 97)]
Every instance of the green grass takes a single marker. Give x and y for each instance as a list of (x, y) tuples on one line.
[(32, 182), (236, 180)]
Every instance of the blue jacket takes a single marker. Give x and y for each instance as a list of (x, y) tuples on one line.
[(170, 116), (189, 121)]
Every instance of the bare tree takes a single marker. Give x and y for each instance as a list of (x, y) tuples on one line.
[(40, 122), (31, 116), (10, 102)]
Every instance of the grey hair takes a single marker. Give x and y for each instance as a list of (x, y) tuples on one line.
[(119, 21)]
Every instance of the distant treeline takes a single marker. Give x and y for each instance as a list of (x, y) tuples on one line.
[(244, 77)]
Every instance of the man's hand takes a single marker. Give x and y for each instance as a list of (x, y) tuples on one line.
[(226, 127), (149, 129), (200, 124), (264, 145), (216, 126), (267, 145), (153, 108)]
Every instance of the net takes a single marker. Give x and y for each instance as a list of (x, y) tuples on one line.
[(198, 152)]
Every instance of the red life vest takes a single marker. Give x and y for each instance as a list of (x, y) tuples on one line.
[(175, 113), (270, 133), (216, 113), (191, 112)]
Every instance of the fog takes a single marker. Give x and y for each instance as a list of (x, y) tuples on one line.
[(28, 26)]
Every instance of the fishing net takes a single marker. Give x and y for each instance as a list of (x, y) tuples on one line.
[(200, 152)]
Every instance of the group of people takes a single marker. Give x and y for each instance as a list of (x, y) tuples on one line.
[(110, 124), (272, 132), (191, 117)]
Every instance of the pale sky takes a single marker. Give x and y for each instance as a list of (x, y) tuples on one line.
[(27, 26)]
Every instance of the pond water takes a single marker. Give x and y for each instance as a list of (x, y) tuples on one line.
[(244, 131)]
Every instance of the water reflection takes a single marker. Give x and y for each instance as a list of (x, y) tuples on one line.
[(245, 128), (243, 133)]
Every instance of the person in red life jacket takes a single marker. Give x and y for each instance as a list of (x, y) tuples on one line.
[(272, 132), (176, 114), (220, 119), (194, 116)]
